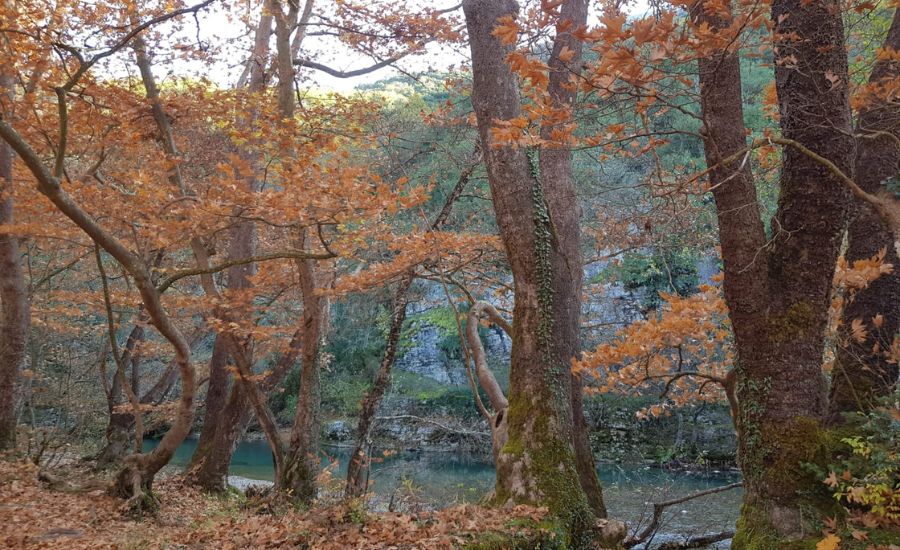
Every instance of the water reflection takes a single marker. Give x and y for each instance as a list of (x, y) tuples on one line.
[(447, 478)]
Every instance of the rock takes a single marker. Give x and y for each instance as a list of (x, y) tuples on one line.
[(244, 483), (611, 532), (338, 430)]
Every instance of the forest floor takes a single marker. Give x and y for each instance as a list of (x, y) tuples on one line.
[(32, 515)]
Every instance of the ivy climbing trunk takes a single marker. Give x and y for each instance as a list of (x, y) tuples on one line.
[(778, 289), (538, 222), (863, 369), (15, 317)]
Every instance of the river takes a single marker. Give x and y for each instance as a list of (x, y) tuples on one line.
[(446, 478)]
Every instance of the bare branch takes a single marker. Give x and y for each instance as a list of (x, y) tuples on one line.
[(182, 273), (660, 507), (355, 72)]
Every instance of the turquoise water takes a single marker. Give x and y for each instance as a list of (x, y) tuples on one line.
[(448, 478)]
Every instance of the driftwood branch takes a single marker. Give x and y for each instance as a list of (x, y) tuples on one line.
[(444, 427), (660, 507)]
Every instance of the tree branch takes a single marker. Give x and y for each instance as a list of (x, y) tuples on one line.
[(355, 72), (189, 272), (659, 508)]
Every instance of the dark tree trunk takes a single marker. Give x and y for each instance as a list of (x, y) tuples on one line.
[(863, 371), (357, 468), (213, 419), (211, 472), (538, 221), (778, 292), (15, 316), (302, 460)]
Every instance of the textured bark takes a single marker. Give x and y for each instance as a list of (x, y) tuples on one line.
[(863, 371), (301, 466), (357, 467), (778, 292), (559, 190), (225, 420), (15, 317), (211, 473), (302, 460), (216, 398), (538, 223), (205, 471)]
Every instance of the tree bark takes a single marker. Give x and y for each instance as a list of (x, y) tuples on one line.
[(302, 461), (212, 472), (225, 420), (538, 223), (778, 291), (119, 423), (357, 467), (15, 316), (216, 398), (863, 371)]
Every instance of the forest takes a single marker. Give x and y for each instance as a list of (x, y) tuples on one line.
[(488, 274)]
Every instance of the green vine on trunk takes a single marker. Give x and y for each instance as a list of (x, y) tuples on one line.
[(543, 236)]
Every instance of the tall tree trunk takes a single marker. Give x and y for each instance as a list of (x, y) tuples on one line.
[(302, 461), (216, 398), (559, 190), (778, 292), (538, 223), (863, 371), (15, 316), (221, 429), (357, 467)]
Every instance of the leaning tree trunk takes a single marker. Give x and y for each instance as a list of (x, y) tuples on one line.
[(15, 317), (863, 370), (778, 292), (212, 472), (538, 224), (358, 465)]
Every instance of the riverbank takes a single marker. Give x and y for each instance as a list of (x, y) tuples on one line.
[(33, 516)]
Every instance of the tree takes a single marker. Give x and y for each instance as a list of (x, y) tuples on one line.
[(538, 224), (14, 304), (778, 289), (865, 368), (357, 466)]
